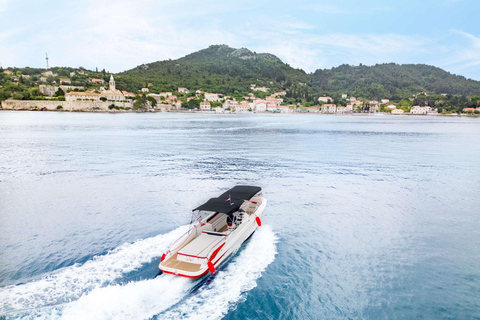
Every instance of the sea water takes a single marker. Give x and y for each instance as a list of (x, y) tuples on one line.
[(369, 216)]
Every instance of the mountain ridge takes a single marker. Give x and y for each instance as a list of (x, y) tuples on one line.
[(225, 69)]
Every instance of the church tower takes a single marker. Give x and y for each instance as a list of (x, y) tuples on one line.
[(112, 83)]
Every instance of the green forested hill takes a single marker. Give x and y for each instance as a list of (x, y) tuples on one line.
[(220, 68), (392, 81)]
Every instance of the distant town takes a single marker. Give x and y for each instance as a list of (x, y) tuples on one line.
[(58, 94)]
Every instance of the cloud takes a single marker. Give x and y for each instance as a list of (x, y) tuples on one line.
[(329, 9), (3, 5), (120, 36), (332, 9)]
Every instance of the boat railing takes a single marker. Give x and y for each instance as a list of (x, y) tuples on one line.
[(175, 247)]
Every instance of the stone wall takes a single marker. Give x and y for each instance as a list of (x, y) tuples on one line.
[(65, 105)]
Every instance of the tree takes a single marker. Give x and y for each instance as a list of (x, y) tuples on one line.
[(152, 100), (59, 93)]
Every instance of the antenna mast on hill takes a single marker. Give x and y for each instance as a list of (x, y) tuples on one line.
[(46, 58)]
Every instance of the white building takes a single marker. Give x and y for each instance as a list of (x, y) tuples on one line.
[(242, 107), (230, 104), (325, 99), (263, 89), (212, 96), (113, 94), (420, 110), (341, 109), (383, 101), (344, 96), (183, 90), (398, 111), (392, 106), (166, 94), (144, 90), (260, 105), (205, 106), (329, 108)]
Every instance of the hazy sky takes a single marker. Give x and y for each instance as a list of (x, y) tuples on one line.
[(118, 35)]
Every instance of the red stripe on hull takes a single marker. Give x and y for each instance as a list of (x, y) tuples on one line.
[(184, 275)]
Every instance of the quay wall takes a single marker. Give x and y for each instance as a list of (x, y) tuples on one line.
[(41, 105)]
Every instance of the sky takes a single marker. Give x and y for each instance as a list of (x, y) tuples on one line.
[(118, 35)]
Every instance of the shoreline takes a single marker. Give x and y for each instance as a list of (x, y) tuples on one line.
[(242, 113)]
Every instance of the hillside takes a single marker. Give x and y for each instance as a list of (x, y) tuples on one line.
[(218, 68), (223, 69), (392, 80)]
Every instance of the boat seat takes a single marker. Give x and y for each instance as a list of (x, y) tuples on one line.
[(218, 221)]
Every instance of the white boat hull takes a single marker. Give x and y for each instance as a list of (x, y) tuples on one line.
[(225, 247)]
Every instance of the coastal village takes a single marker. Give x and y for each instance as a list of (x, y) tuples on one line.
[(61, 95)]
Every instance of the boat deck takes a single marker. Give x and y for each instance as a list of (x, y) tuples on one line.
[(174, 263)]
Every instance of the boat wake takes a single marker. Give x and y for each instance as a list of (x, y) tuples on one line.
[(70, 283), (86, 292)]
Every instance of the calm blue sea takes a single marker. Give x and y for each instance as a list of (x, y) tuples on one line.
[(369, 216)]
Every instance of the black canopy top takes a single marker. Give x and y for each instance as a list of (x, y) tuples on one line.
[(237, 195)]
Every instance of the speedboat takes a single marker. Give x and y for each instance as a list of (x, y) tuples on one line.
[(219, 228)]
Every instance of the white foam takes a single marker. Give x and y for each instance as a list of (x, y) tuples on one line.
[(135, 300), (147, 298), (72, 282)]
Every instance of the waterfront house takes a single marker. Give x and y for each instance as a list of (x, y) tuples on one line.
[(205, 106), (260, 105), (341, 109), (325, 99), (418, 110), (243, 107), (423, 110), (468, 109), (329, 108), (398, 111), (178, 105)]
